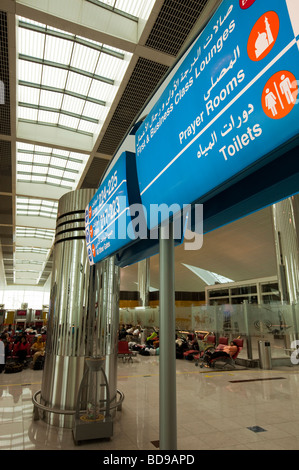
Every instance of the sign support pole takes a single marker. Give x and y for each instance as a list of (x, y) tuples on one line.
[(167, 354)]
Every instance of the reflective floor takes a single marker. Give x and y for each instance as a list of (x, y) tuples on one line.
[(237, 410)]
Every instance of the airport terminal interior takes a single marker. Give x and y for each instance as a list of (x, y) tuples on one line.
[(75, 77)]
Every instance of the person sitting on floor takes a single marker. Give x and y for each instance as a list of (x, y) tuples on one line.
[(38, 348), (21, 349), (227, 351)]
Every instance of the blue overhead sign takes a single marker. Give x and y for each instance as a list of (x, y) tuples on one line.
[(230, 104), (107, 219)]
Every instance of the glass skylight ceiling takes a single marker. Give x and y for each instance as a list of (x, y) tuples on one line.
[(30, 249), (68, 82), (134, 8), (36, 207), (45, 234), (56, 167), (65, 80)]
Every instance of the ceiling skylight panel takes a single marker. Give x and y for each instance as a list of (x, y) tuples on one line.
[(58, 162), (108, 65), (52, 204), (79, 156), (60, 152), (84, 58), (55, 172), (58, 182), (31, 43), (38, 179), (138, 8), (24, 146), (102, 91), (87, 126), (130, 7), (30, 21), (24, 157), (24, 261), (34, 207), (27, 249), (32, 212), (29, 72), (42, 170), (28, 95), (92, 110), (103, 114), (34, 202), (73, 166), (22, 200), (58, 50), (47, 204), (54, 77), (27, 113), (68, 121), (48, 117), (42, 159), (24, 168), (23, 178), (50, 99), (44, 213), (73, 105), (78, 83)]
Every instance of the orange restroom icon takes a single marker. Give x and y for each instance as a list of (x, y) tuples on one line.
[(280, 94)]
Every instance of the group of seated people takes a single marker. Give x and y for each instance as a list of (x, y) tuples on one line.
[(227, 351), (204, 347), (143, 340), (129, 331), (23, 344)]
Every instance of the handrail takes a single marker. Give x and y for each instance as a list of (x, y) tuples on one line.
[(70, 412)]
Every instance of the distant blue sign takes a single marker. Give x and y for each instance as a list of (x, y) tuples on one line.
[(231, 103), (107, 220)]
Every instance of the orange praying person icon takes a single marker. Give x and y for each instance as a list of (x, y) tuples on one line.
[(263, 36)]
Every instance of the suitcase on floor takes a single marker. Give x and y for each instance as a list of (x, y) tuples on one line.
[(12, 368)]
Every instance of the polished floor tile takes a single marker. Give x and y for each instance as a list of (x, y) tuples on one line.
[(216, 410)]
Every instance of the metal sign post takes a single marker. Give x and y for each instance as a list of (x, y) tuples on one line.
[(167, 364)]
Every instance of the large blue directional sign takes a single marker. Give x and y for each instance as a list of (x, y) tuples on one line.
[(230, 104), (107, 218)]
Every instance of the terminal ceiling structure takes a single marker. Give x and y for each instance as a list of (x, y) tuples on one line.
[(75, 74)]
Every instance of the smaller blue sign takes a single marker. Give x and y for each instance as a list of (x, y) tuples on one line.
[(107, 216)]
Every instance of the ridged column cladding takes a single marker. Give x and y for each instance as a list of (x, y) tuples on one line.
[(83, 312)]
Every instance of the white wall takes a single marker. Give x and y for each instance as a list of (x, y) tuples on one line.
[(13, 297)]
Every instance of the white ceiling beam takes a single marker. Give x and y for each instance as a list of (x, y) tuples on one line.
[(53, 193), (77, 16), (34, 242), (93, 29), (47, 135), (19, 255)]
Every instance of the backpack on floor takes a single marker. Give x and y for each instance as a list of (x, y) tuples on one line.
[(12, 368), (39, 363)]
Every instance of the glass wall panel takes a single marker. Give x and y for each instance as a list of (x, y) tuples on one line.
[(273, 322)]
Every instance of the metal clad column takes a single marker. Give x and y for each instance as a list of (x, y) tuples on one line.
[(167, 361), (143, 282), (286, 226), (77, 326), (103, 317)]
